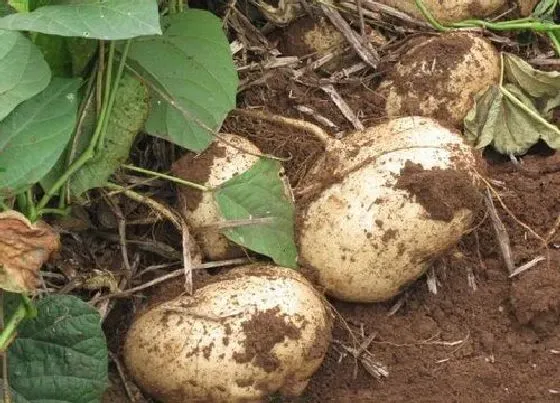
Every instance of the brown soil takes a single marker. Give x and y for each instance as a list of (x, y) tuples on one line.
[(444, 53), (280, 95), (442, 192), (482, 337), (196, 168), (263, 331), (498, 342)]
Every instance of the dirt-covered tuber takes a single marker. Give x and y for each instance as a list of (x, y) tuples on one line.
[(449, 10), (440, 76), (219, 163), (382, 205), (255, 331)]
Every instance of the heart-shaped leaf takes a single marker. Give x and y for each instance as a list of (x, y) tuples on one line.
[(261, 193), (107, 19), (35, 134), (23, 71), (192, 64)]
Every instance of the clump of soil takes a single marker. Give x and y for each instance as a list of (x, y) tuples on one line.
[(442, 192), (448, 53), (262, 332), (196, 168), (495, 341)]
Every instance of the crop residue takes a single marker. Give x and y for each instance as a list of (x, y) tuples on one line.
[(262, 332), (441, 192)]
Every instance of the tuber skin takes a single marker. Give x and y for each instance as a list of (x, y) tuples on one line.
[(440, 77), (216, 165), (252, 332), (364, 238), (447, 11)]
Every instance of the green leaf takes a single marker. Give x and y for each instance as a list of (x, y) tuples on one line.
[(81, 52), (35, 134), (127, 119), (107, 20), (192, 64), (506, 118), (61, 355), (56, 53), (23, 71), (80, 141), (6, 9), (21, 6), (545, 9), (536, 83), (260, 193)]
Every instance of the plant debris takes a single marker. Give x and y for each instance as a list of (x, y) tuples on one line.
[(24, 248)]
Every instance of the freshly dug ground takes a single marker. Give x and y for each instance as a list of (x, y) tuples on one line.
[(484, 337), (498, 341), (495, 341)]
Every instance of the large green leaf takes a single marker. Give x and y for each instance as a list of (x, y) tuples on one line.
[(34, 135), (21, 6), (260, 193), (127, 119), (545, 9), (23, 71), (107, 19), (59, 356), (506, 118), (6, 9), (56, 53), (192, 64)]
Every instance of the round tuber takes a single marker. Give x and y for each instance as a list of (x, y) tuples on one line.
[(439, 77), (216, 165), (257, 330), (382, 205), (449, 10)]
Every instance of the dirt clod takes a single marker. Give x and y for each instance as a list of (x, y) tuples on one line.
[(263, 331), (442, 192), (196, 168)]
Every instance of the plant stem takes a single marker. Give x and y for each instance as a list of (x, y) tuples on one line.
[(59, 211), (113, 96), (180, 5), (429, 17), (98, 136), (172, 6), (555, 39), (21, 201), (528, 110), (168, 177), (527, 23), (24, 310), (31, 210), (100, 129)]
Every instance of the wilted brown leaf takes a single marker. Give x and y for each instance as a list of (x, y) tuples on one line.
[(24, 248)]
